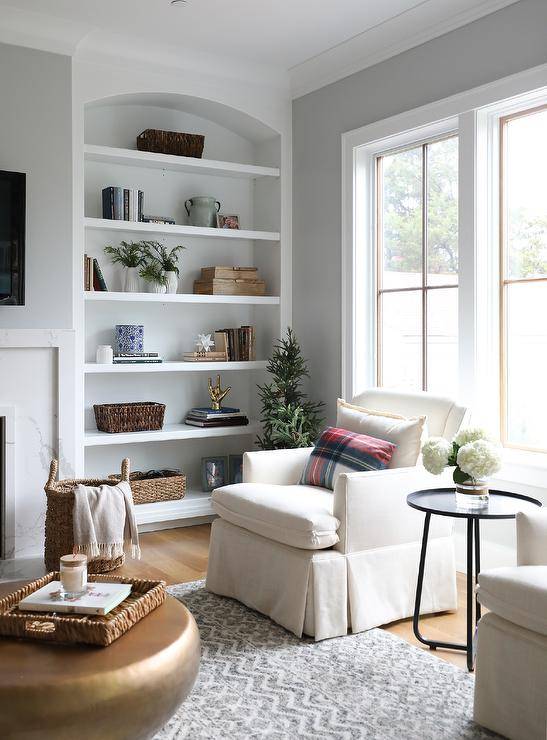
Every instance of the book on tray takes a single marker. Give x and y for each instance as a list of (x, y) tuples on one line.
[(100, 598), (206, 417)]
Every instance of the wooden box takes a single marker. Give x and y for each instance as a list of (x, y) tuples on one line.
[(230, 273), (225, 286)]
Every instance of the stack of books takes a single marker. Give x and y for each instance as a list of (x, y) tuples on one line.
[(211, 356), (136, 358), (123, 204), (206, 418)]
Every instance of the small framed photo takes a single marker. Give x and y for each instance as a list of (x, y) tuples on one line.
[(235, 466), (227, 221), (214, 473)]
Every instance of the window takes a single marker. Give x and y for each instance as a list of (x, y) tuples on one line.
[(417, 267), (523, 273)]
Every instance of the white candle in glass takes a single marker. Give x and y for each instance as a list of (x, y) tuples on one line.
[(74, 574)]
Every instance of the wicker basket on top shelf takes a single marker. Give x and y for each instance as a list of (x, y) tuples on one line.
[(171, 142), (59, 525)]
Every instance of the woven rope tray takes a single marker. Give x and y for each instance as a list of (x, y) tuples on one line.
[(91, 629)]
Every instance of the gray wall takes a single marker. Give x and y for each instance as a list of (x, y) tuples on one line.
[(498, 45), (36, 138)]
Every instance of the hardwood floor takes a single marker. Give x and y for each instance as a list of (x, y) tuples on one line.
[(180, 555)]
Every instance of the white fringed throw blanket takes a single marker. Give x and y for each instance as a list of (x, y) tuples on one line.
[(104, 521)]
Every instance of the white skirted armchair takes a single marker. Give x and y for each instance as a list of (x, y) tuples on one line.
[(511, 682), (321, 562)]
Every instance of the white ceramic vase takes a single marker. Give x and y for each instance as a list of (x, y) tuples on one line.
[(131, 282), (172, 281), (156, 288)]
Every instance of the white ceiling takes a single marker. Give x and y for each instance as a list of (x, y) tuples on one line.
[(312, 42)]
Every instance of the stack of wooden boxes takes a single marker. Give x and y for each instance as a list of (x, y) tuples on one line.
[(229, 281)]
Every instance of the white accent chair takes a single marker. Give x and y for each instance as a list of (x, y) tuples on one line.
[(320, 562), (511, 677)]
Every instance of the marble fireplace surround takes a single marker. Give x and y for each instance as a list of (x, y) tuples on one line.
[(41, 373)]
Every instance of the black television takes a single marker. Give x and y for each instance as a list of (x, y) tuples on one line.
[(12, 238)]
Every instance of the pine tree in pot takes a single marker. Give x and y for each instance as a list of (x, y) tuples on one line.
[(289, 418)]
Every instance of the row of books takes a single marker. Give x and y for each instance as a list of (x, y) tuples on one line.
[(137, 358), (237, 344), (93, 275), (204, 417), (123, 204)]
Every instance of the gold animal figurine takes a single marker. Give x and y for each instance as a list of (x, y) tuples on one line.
[(217, 394)]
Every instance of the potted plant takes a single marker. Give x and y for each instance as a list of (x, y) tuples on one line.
[(131, 257), (152, 274), (289, 418), (474, 458), (166, 260)]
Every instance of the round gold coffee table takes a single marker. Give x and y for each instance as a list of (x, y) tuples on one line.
[(126, 690)]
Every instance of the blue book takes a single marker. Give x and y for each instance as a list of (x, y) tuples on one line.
[(207, 412)]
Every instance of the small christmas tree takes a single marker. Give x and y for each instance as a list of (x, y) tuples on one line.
[(289, 418)]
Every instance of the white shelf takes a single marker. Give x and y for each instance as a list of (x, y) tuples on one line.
[(135, 158), (139, 227), (194, 504), (93, 438), (92, 368), (107, 296)]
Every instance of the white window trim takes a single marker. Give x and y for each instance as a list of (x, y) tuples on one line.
[(473, 115), (361, 342)]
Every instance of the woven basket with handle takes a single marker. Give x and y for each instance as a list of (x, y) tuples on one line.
[(169, 487), (138, 416), (59, 527)]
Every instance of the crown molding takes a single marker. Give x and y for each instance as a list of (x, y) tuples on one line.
[(86, 42), (387, 39), (40, 31), (395, 36)]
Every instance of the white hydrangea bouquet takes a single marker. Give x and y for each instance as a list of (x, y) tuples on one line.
[(474, 456)]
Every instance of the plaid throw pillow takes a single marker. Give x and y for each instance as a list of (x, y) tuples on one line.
[(339, 451)]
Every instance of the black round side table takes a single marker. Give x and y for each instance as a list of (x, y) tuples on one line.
[(442, 501)]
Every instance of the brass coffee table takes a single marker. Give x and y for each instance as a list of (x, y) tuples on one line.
[(126, 690)]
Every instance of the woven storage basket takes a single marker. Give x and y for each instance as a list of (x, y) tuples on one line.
[(141, 416), (59, 527), (150, 490), (92, 629), (171, 142)]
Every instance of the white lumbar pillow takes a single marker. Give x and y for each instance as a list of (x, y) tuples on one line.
[(402, 431)]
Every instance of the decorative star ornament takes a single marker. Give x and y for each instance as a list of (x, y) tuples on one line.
[(204, 342)]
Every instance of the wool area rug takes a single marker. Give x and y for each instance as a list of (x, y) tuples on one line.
[(257, 680)]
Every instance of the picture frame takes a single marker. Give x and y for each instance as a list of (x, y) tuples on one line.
[(235, 468), (227, 221), (214, 472)]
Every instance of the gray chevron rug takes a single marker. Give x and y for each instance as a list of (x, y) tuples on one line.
[(258, 680)]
